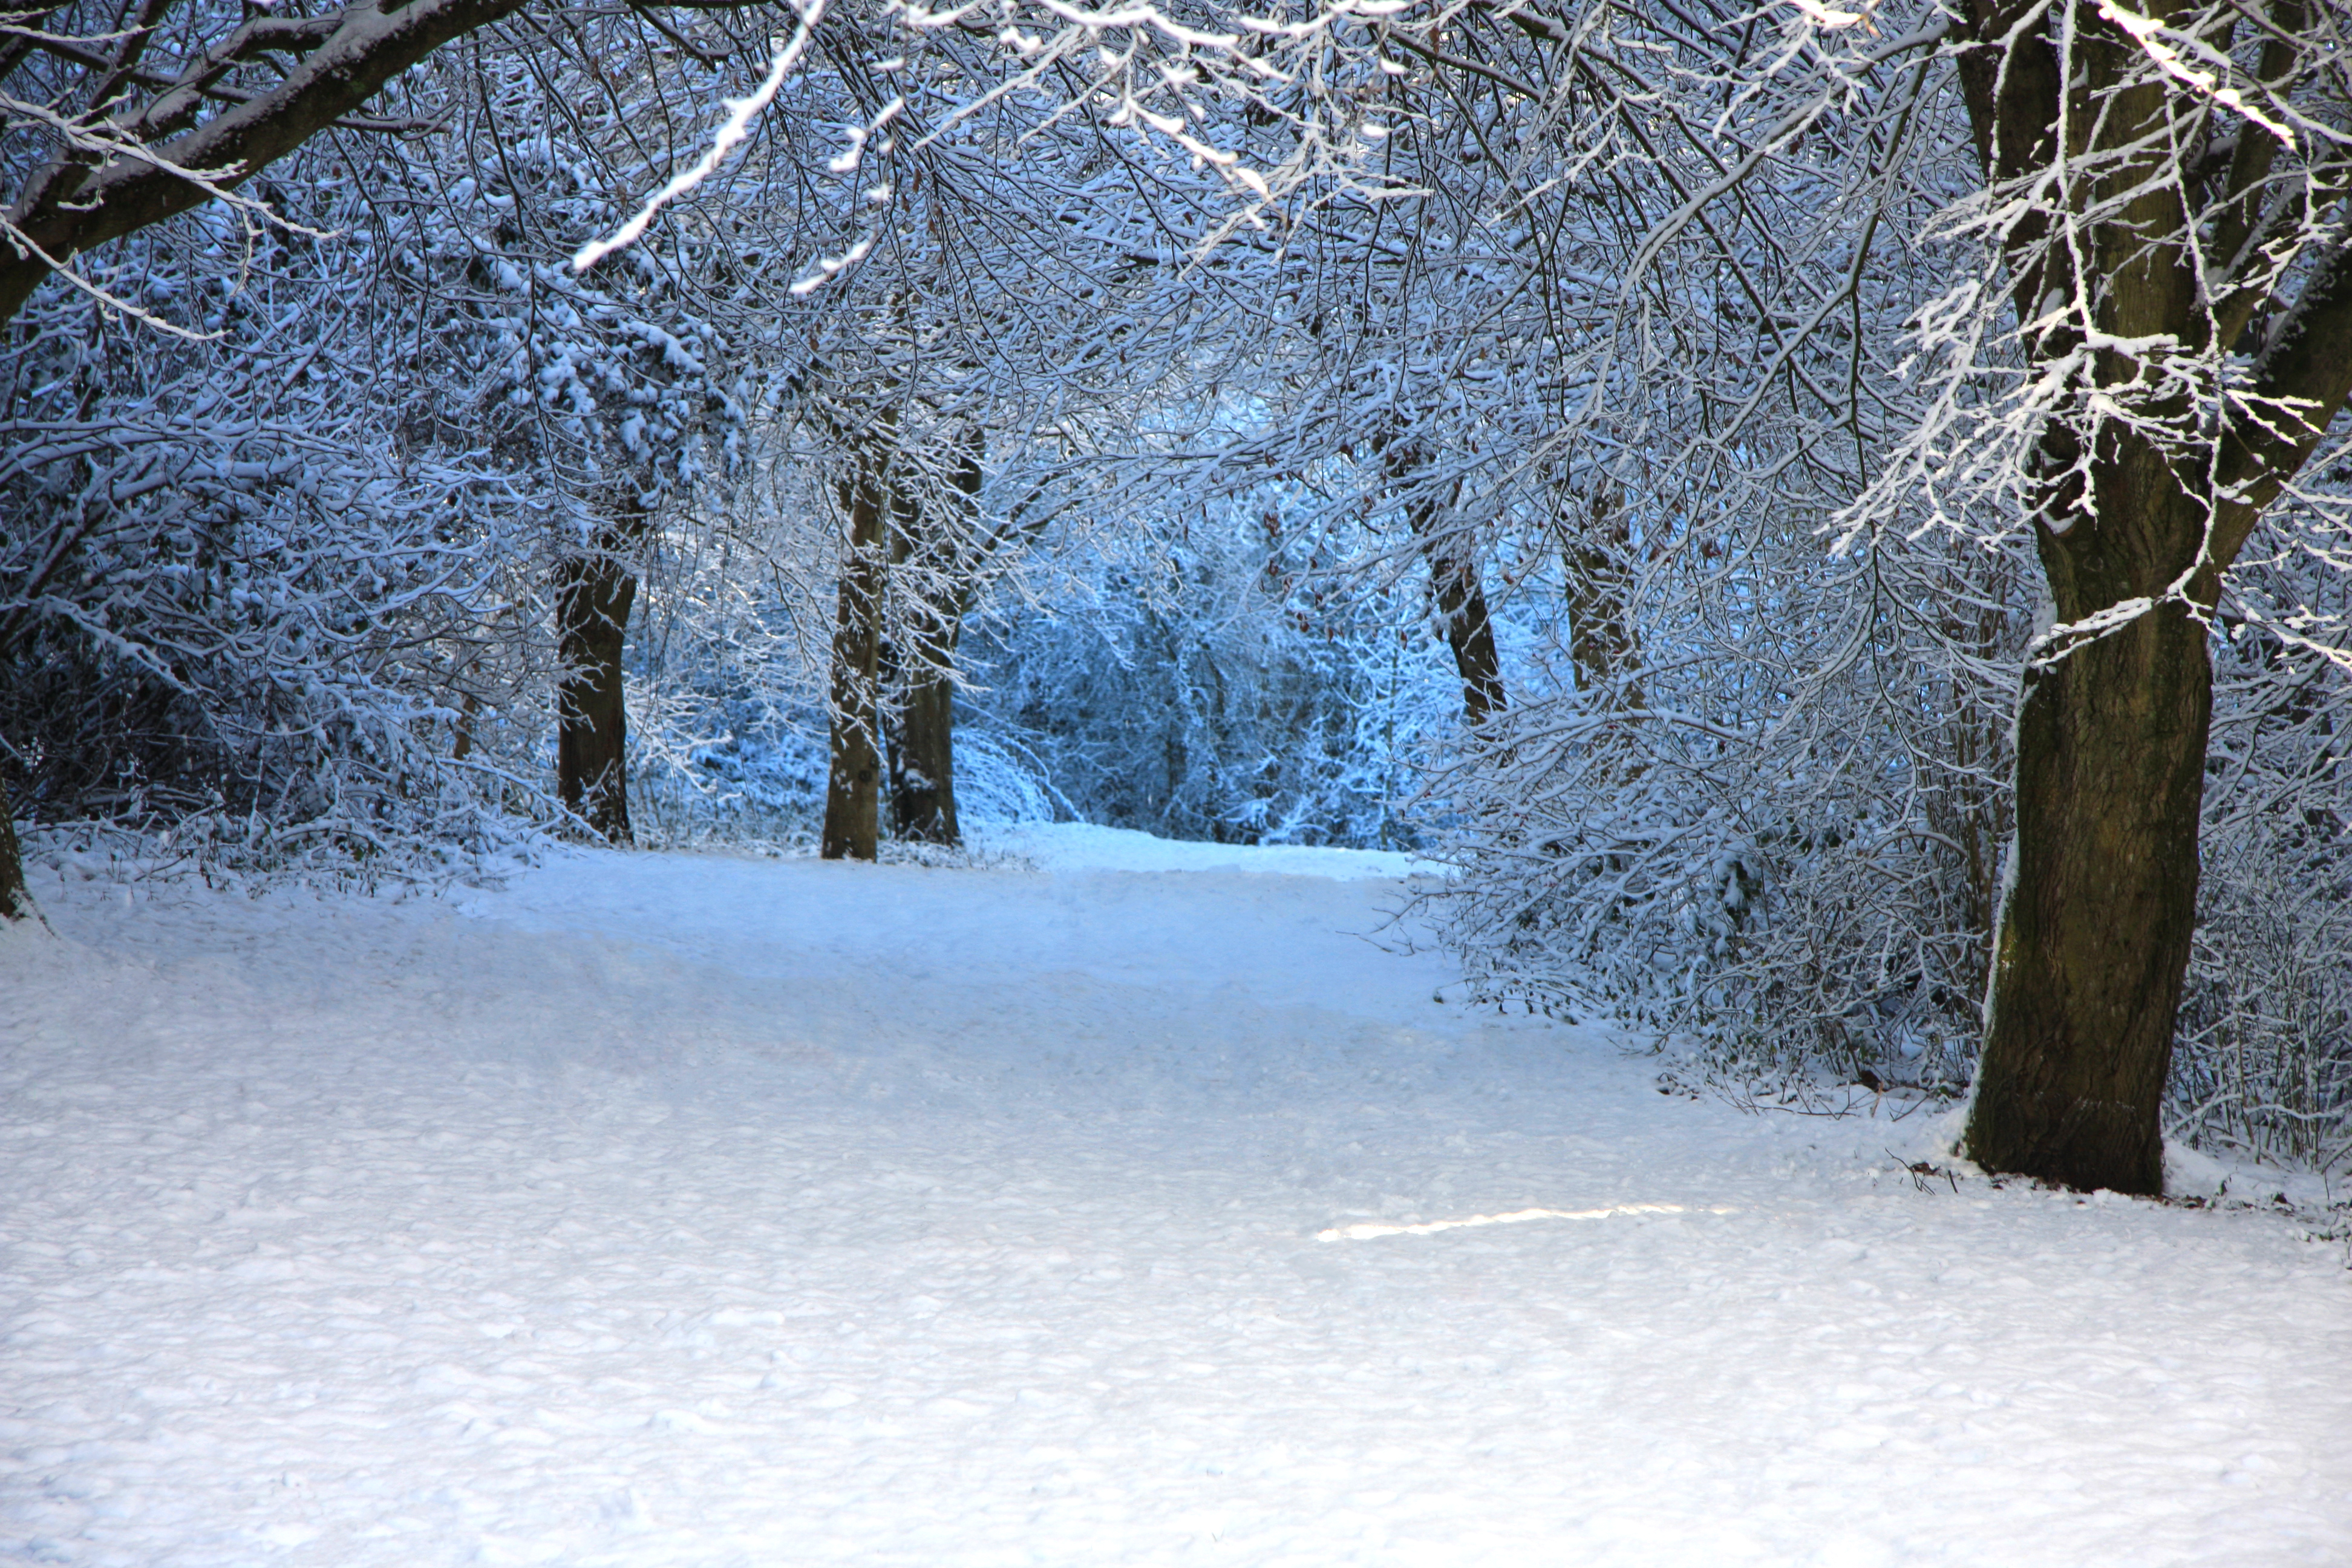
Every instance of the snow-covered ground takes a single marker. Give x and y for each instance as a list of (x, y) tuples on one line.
[(709, 1210)]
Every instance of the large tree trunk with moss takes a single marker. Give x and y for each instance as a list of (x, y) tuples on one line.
[(2091, 943), (594, 594), (2151, 482), (853, 777), (2094, 935)]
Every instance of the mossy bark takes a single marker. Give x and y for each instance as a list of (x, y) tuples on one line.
[(2094, 936), (2090, 948)]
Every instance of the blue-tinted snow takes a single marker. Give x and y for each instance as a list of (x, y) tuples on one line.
[(700, 1210)]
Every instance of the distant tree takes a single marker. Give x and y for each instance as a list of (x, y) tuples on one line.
[(113, 121), (1026, 313), (623, 393)]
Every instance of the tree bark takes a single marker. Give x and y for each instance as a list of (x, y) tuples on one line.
[(1455, 583), (1462, 605), (1601, 636), (2093, 940), (2090, 946), (922, 762), (594, 594), (15, 903), (922, 752), (853, 779)]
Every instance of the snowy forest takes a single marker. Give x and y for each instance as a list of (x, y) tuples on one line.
[(1829, 520)]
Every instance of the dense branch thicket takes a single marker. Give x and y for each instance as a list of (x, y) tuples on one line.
[(234, 602)]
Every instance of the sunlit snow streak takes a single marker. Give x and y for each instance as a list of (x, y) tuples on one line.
[(1366, 1232), (740, 114)]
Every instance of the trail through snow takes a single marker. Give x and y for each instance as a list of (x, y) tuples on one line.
[(670, 1209)]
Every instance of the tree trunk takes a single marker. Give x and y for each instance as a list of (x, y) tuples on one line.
[(594, 597), (2100, 899), (2134, 522), (922, 753), (1461, 604), (1601, 636), (922, 762), (852, 789), (15, 903), (2101, 902), (1454, 582)]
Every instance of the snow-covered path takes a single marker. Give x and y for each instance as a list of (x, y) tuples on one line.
[(699, 1210)]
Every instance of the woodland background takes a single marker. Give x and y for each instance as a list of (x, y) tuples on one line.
[(1634, 455)]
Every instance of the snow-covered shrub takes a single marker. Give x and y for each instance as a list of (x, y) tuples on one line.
[(236, 601), (725, 677), (1786, 856), (2264, 1060), (758, 780), (1227, 682), (1778, 840)]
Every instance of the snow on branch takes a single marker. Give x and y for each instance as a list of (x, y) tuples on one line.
[(2150, 34), (730, 135)]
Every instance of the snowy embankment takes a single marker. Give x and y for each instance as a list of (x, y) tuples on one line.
[(696, 1210)]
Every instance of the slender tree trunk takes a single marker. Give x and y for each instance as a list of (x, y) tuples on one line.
[(1462, 605), (15, 904), (852, 780), (922, 762), (469, 708), (592, 770), (1454, 582), (1600, 637), (922, 757), (594, 597)]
